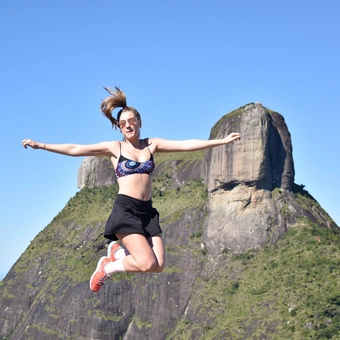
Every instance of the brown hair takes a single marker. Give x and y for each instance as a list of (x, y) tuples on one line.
[(116, 99)]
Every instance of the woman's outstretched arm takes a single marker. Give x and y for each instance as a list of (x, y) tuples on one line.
[(75, 150), (163, 145)]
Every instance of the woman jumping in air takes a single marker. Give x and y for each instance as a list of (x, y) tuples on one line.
[(133, 220)]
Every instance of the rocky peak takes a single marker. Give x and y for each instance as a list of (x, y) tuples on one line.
[(263, 158), (95, 172), (252, 202)]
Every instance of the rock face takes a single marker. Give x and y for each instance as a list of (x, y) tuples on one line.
[(241, 178), (95, 172), (251, 203), (263, 158)]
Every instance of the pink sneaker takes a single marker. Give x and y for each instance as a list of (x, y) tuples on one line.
[(99, 276), (111, 249)]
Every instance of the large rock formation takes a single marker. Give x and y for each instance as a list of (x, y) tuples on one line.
[(263, 159), (96, 172), (251, 182), (252, 201), (241, 178)]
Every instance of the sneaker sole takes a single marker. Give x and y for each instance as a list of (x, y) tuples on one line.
[(98, 266)]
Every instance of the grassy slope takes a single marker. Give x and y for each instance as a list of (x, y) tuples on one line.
[(287, 291), (60, 254), (61, 242)]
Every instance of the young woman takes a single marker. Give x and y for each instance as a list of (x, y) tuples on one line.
[(133, 220)]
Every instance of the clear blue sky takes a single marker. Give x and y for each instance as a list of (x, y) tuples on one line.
[(183, 64)]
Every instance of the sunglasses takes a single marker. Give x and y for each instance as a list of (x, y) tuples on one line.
[(131, 121)]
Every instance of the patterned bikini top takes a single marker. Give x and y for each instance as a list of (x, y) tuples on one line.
[(126, 167)]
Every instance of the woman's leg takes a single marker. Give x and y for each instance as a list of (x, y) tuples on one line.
[(146, 255), (157, 245)]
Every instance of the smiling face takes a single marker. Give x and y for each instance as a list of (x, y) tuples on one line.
[(129, 125)]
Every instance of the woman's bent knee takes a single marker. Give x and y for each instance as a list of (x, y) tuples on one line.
[(152, 266), (147, 266)]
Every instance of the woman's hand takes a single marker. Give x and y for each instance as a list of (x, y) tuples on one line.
[(232, 137), (32, 144)]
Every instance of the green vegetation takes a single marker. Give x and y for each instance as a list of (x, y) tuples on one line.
[(173, 203), (67, 250), (61, 244), (183, 157), (287, 291), (89, 205), (290, 290), (142, 324)]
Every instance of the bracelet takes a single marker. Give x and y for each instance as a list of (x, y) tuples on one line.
[(44, 146)]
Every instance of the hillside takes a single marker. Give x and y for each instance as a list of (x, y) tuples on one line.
[(250, 254)]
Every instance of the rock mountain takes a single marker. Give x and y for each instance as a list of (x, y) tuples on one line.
[(234, 223)]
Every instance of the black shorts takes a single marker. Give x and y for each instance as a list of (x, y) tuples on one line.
[(132, 216)]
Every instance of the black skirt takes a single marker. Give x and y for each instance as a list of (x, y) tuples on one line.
[(132, 216)]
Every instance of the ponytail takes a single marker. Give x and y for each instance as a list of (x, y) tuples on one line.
[(116, 99)]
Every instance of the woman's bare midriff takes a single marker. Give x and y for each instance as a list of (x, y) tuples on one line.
[(138, 186)]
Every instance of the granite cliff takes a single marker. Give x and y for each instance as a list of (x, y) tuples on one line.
[(238, 232)]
